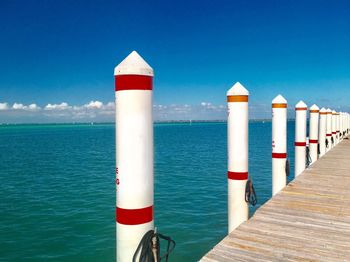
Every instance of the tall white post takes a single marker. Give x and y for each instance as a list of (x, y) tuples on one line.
[(134, 144), (338, 127), (237, 142), (322, 131), (313, 133), (346, 124), (334, 131), (329, 130), (341, 127), (279, 143), (300, 137)]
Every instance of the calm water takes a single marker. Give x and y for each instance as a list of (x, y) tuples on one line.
[(57, 188)]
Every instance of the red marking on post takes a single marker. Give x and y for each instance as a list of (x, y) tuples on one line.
[(329, 135), (300, 108), (133, 82), (313, 141), (334, 133), (237, 175), (300, 143), (279, 155), (134, 216)]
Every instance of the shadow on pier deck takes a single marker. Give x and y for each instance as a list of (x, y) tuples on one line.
[(309, 220)]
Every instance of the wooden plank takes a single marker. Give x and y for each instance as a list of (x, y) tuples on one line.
[(309, 220)]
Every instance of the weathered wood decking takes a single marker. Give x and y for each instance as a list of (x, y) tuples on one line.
[(307, 221)]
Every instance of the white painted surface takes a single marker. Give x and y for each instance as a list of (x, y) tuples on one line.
[(329, 129), (133, 64), (313, 133), (134, 155), (322, 132), (237, 136), (300, 137), (279, 144)]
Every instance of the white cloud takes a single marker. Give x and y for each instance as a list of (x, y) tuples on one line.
[(62, 106), (94, 105), (18, 106), (4, 106), (34, 107), (110, 105)]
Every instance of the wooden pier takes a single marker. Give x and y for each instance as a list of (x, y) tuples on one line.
[(309, 220)]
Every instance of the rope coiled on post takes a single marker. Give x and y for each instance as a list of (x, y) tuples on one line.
[(287, 167), (308, 157), (150, 241), (250, 195)]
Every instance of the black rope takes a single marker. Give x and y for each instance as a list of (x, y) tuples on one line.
[(287, 167), (250, 195), (149, 241), (327, 143), (308, 157), (318, 149), (332, 139)]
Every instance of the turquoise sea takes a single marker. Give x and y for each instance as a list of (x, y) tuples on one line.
[(57, 188)]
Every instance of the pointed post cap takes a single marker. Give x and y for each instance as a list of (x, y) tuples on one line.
[(279, 100), (301, 104), (237, 90), (329, 110), (133, 64), (323, 110), (314, 107)]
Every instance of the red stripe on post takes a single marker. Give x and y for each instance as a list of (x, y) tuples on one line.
[(133, 82), (334, 133), (300, 108), (329, 135), (313, 141), (134, 216), (300, 143), (237, 175), (279, 155)]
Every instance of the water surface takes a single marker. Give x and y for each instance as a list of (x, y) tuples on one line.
[(58, 188)]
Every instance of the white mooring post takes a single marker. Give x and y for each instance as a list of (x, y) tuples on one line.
[(300, 137), (341, 125), (338, 127), (334, 131), (313, 134), (329, 130), (237, 142), (279, 143), (322, 131), (347, 124), (134, 149)]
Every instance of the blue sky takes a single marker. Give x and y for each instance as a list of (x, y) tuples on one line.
[(54, 52)]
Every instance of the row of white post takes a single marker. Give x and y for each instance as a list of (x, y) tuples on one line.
[(134, 149), (326, 129)]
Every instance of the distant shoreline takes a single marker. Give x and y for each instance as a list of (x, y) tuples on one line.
[(112, 123)]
